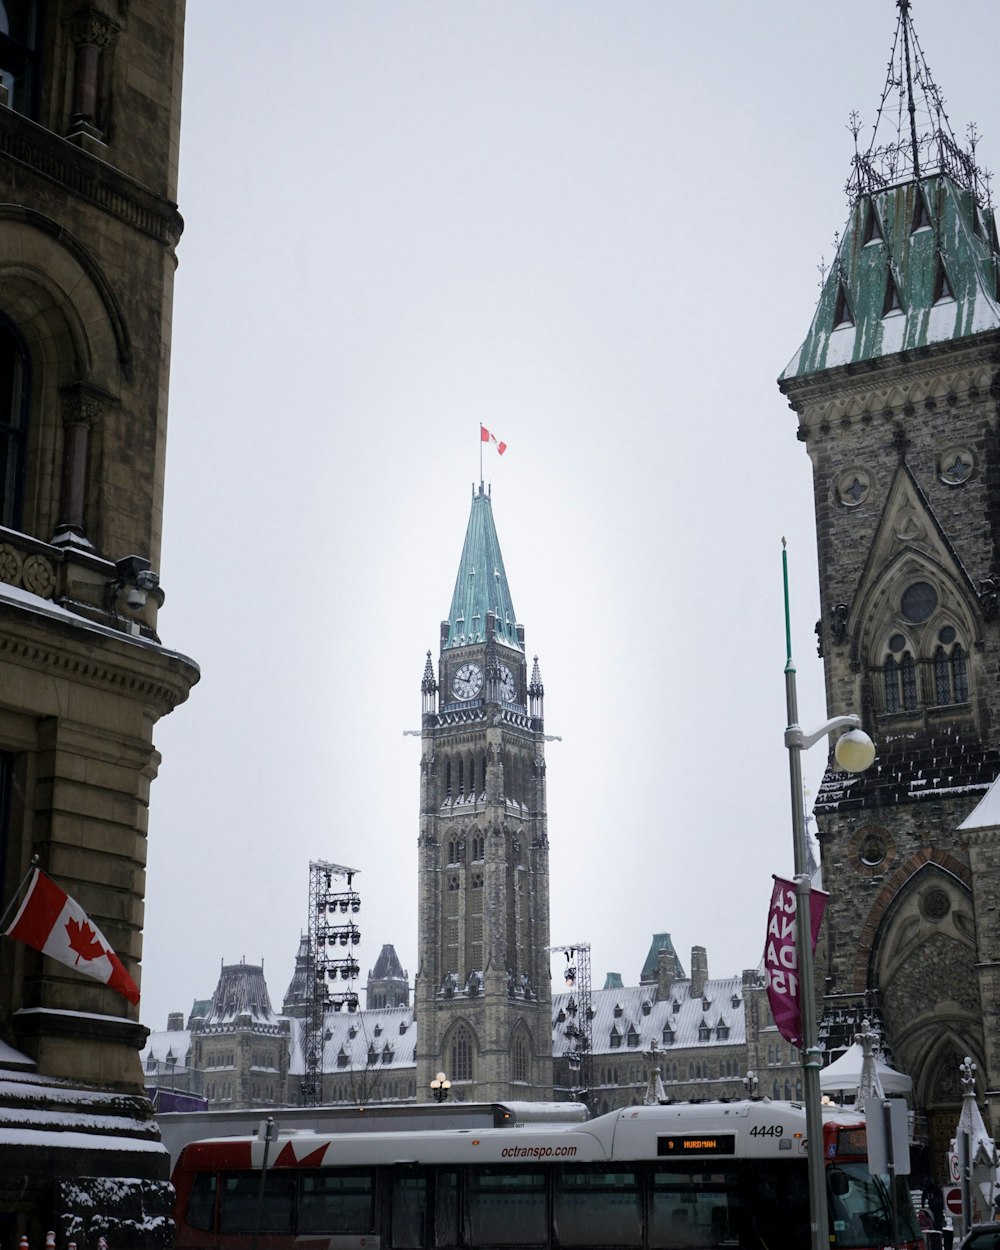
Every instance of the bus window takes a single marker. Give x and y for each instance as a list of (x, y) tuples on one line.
[(694, 1209), (241, 1202), (860, 1207), (337, 1202), (596, 1208), (408, 1212), (445, 1209), (201, 1201), (505, 1208)]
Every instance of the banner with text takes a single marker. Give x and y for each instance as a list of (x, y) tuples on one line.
[(781, 962)]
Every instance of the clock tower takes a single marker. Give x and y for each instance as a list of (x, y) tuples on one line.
[(482, 987)]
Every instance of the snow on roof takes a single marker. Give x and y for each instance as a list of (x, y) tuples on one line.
[(169, 1044), (632, 1013), (383, 1038)]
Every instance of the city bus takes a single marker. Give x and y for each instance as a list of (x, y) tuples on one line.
[(641, 1178)]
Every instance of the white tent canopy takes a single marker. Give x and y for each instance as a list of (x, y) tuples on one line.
[(844, 1075)]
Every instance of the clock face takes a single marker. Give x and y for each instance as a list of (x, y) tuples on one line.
[(508, 686), (468, 681)]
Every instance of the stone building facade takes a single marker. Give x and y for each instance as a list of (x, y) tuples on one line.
[(897, 394), (89, 127), (482, 985)]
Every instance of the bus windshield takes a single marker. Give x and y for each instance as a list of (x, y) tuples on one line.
[(860, 1207)]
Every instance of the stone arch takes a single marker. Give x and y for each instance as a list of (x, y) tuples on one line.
[(63, 307), (919, 948)]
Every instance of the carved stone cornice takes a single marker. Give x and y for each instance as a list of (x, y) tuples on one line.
[(25, 143)]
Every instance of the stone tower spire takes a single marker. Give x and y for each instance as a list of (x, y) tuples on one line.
[(482, 987), (896, 390)]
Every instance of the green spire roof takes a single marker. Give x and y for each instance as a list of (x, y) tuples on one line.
[(919, 262), (917, 265), (660, 942), (481, 585)]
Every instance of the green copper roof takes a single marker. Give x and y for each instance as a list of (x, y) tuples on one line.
[(917, 265), (660, 942), (481, 585)]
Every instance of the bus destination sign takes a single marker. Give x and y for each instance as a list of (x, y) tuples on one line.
[(697, 1144)]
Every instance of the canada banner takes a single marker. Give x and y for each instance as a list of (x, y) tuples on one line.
[(51, 922), (781, 963)]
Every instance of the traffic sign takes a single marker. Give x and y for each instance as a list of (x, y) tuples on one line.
[(953, 1199)]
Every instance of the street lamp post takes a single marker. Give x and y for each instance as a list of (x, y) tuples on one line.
[(854, 751), (440, 1087)]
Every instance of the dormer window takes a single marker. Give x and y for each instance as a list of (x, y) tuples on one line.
[(668, 1035), (675, 1007), (632, 1037), (646, 1007), (618, 1011)]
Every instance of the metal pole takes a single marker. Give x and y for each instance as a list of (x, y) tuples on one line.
[(811, 1055), (891, 1165)]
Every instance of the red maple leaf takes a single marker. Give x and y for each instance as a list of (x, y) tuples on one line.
[(83, 941)]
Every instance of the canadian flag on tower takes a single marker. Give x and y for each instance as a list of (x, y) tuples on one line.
[(486, 437), (55, 924)]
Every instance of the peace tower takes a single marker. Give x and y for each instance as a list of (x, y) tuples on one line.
[(482, 989)]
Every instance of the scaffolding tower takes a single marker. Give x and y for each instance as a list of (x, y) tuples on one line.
[(579, 1012), (331, 957)]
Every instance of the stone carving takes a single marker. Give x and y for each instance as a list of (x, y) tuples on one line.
[(38, 576)]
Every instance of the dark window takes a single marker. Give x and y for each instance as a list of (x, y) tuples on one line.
[(461, 1054), (597, 1208), (506, 1208), (201, 1201), (519, 1059), (959, 674), (18, 59), (908, 678), (338, 1202), (918, 601), (409, 1212), (240, 1193), (14, 380)]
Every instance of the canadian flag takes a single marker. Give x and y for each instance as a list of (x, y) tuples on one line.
[(486, 437), (55, 924)]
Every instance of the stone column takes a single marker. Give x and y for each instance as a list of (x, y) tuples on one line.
[(82, 408), (91, 34)]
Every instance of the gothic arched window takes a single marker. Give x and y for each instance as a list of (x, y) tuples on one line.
[(461, 1054), (519, 1058), (14, 379)]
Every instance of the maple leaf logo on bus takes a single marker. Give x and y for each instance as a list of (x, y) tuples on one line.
[(83, 941)]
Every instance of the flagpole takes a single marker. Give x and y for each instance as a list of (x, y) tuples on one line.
[(13, 902), (480, 454)]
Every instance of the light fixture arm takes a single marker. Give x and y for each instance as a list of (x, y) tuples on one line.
[(794, 737)]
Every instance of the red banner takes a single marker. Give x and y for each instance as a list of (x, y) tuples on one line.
[(781, 962)]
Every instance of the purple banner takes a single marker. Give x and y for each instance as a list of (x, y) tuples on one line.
[(781, 961)]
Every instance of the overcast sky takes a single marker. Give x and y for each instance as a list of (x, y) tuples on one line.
[(594, 227)]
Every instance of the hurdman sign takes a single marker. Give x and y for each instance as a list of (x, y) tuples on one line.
[(781, 961)]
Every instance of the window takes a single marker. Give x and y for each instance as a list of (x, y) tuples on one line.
[(14, 378), (240, 1206), (340, 1202), (18, 68), (597, 1208), (900, 683), (506, 1208), (519, 1058), (461, 1054)]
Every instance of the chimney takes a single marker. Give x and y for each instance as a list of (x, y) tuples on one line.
[(664, 974), (175, 1021), (699, 970)]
